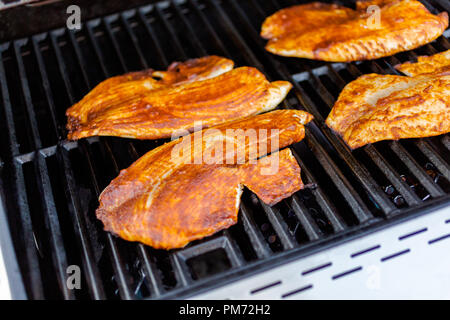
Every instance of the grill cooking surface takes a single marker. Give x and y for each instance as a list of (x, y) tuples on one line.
[(50, 186)]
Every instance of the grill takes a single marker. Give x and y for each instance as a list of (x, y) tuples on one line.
[(50, 186)]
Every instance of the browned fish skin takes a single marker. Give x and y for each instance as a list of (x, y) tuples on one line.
[(439, 62), (144, 114), (386, 107), (165, 203), (335, 33)]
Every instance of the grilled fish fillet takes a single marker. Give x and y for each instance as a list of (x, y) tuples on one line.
[(137, 112), (384, 107), (166, 200), (335, 33), (439, 62)]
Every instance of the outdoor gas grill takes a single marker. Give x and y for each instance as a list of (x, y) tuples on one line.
[(376, 226)]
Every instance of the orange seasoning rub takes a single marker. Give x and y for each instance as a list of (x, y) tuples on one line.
[(155, 104), (166, 199), (386, 107), (332, 32)]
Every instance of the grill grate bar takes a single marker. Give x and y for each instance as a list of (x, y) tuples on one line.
[(32, 268), (152, 35), (325, 204), (177, 267), (31, 251), (280, 227), (359, 208), (14, 145), (312, 230), (133, 38), (119, 267), (89, 26), (234, 34), (121, 275), (90, 268), (260, 246), (435, 158), (46, 85), (414, 167), (180, 269), (209, 28), (59, 256), (31, 116), (178, 47), (201, 51)]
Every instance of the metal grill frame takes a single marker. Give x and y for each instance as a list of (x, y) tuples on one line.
[(319, 139)]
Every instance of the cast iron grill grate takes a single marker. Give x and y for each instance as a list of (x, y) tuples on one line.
[(50, 185)]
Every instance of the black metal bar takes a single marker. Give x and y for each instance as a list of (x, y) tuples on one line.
[(234, 34), (280, 227), (149, 269), (209, 28), (124, 17), (90, 268), (414, 167), (152, 35), (59, 254), (46, 85), (312, 230), (14, 145), (195, 41), (106, 24), (260, 246), (180, 269), (176, 43), (31, 254), (325, 204), (118, 266), (361, 211), (121, 275), (31, 116)]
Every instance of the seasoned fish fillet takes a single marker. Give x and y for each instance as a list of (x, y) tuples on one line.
[(129, 89), (137, 112), (427, 64), (335, 33), (383, 107), (167, 199), (304, 18)]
